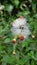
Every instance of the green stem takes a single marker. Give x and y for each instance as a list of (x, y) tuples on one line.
[(32, 62)]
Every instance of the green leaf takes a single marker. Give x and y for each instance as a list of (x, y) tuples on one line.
[(3, 63), (8, 59), (23, 60), (9, 7), (1, 47), (16, 3), (7, 40)]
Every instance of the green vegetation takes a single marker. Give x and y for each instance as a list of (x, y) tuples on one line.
[(25, 51)]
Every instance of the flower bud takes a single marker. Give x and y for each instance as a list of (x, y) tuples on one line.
[(21, 37), (14, 52), (33, 36), (13, 41)]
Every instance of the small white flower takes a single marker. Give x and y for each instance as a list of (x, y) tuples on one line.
[(20, 27), (2, 7)]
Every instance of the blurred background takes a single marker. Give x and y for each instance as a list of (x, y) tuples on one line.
[(25, 52)]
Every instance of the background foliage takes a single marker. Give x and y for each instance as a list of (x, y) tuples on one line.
[(26, 52)]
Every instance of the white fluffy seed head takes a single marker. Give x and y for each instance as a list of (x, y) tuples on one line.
[(16, 30)]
